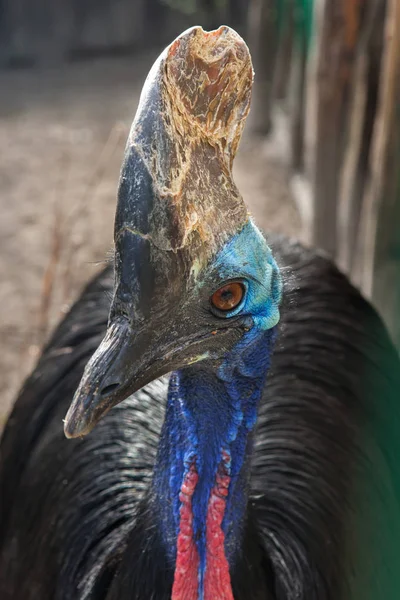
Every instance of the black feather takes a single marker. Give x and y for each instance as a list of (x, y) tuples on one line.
[(74, 517)]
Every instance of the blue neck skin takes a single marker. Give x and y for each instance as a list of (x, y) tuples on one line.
[(212, 411), (209, 412)]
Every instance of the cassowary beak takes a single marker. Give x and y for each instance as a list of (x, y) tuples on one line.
[(113, 373), (100, 382), (124, 363), (177, 207)]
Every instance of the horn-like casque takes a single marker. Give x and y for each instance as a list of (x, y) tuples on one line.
[(176, 187)]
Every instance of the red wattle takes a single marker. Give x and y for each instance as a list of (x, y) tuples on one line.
[(217, 581), (185, 586)]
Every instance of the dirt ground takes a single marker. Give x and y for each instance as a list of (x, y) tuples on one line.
[(62, 135)]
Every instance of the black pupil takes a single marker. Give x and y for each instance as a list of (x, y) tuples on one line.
[(226, 296)]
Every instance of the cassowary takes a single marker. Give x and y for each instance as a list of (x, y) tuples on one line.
[(215, 482)]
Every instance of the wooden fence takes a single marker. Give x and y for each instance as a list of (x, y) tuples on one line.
[(334, 67)]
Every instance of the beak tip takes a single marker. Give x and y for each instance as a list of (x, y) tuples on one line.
[(74, 425), (69, 431)]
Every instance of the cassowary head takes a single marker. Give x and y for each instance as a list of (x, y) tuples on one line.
[(194, 278)]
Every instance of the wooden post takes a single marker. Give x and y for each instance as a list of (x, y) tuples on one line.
[(336, 47), (364, 92), (379, 239), (301, 41), (263, 38), (284, 58)]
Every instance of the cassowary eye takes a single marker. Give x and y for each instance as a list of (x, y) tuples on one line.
[(228, 296)]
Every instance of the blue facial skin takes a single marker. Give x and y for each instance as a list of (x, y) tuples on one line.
[(248, 256), (214, 410)]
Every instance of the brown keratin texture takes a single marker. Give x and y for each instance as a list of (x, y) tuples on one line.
[(186, 132)]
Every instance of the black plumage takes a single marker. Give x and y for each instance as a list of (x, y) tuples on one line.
[(75, 523)]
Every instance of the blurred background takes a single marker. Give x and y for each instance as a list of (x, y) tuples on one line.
[(320, 157)]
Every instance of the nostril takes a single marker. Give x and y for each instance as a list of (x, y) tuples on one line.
[(108, 389)]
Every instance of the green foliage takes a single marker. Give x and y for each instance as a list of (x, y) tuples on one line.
[(307, 7)]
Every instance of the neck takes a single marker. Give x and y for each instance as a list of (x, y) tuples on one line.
[(201, 479)]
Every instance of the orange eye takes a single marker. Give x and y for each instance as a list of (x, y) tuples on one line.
[(228, 296)]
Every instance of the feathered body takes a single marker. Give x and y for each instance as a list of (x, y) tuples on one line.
[(76, 519), (254, 473)]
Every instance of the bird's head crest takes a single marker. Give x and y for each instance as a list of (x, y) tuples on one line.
[(176, 187)]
